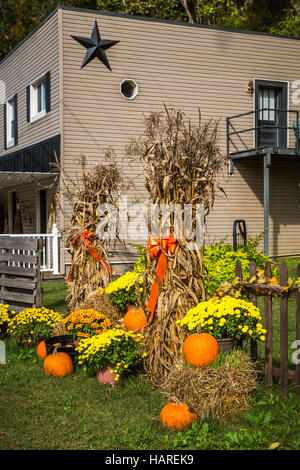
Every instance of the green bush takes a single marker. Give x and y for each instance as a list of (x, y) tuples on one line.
[(220, 261)]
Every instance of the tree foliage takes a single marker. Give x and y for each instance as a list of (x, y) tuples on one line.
[(19, 17)]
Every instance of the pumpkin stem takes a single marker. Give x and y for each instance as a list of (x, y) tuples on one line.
[(55, 349), (199, 329)]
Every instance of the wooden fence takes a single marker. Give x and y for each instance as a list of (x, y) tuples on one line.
[(20, 276), (253, 291)]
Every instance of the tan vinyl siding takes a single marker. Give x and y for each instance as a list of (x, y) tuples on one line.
[(186, 67), (35, 57)]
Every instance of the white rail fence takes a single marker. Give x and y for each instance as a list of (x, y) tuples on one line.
[(50, 252)]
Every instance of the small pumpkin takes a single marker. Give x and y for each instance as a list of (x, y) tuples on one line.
[(41, 350), (200, 349), (58, 364), (57, 344), (135, 319), (177, 416)]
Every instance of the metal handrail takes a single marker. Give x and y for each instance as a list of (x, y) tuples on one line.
[(276, 126)]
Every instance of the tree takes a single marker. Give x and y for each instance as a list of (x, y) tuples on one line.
[(19, 17)]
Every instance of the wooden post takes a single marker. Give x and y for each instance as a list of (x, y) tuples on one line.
[(269, 334), (238, 270), (267, 164), (298, 331), (284, 359), (253, 299)]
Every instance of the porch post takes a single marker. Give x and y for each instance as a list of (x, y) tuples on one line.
[(55, 249), (267, 164)]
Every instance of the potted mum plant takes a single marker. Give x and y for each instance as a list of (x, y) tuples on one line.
[(32, 325), (85, 323), (228, 319), (110, 354)]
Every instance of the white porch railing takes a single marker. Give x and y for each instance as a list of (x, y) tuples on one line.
[(50, 253)]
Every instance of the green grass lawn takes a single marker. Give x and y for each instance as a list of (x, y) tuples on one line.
[(75, 412)]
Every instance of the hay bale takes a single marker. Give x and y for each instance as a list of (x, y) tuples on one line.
[(219, 390), (59, 330), (101, 303)]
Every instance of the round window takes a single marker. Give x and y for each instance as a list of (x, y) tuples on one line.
[(129, 89)]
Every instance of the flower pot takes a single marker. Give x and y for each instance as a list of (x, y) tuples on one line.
[(225, 344), (104, 376)]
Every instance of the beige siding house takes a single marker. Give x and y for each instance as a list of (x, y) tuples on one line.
[(53, 104)]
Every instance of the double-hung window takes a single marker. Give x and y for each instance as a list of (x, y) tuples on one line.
[(11, 117), (38, 99)]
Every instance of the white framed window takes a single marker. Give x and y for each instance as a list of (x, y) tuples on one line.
[(10, 122), (38, 99)]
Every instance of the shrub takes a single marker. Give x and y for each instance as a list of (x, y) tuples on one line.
[(223, 318), (117, 348), (4, 318), (220, 261), (33, 325), (86, 323), (122, 292)]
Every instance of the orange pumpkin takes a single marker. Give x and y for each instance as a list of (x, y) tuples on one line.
[(57, 344), (58, 364), (200, 349), (41, 350), (135, 319), (177, 416)]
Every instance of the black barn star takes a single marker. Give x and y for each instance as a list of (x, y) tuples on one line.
[(96, 47)]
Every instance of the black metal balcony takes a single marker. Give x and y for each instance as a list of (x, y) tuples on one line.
[(269, 136)]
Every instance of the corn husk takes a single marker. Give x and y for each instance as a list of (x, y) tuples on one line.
[(92, 188), (182, 161)]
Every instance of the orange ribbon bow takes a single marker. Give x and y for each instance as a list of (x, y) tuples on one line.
[(168, 243), (84, 238)]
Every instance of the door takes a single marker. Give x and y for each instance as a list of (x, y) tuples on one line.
[(42, 212), (272, 103), (12, 207)]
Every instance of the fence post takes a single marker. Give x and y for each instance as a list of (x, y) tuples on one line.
[(298, 330), (55, 254), (269, 328), (284, 359), (253, 299)]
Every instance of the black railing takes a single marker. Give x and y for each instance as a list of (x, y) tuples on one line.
[(257, 127)]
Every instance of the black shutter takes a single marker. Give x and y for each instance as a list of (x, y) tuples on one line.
[(48, 101), (28, 102), (5, 130), (16, 118)]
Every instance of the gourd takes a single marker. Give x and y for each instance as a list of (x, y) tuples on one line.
[(200, 349), (41, 350), (135, 319), (177, 416)]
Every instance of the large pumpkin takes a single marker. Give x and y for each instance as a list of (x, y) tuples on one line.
[(200, 349), (41, 350), (58, 364), (177, 416), (135, 319)]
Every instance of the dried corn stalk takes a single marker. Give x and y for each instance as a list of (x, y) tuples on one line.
[(182, 161), (100, 185)]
